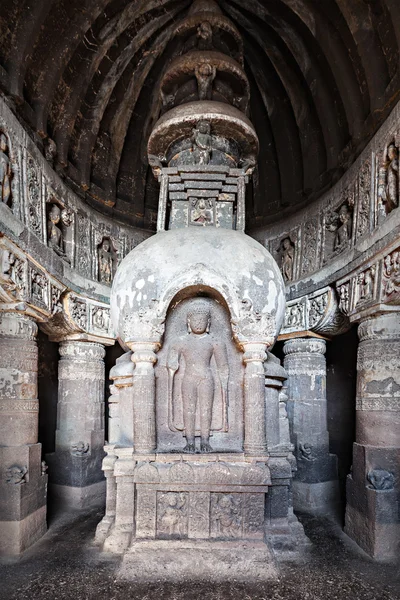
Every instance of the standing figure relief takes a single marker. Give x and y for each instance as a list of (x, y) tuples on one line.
[(193, 355)]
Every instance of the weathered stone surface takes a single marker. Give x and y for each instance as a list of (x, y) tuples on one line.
[(75, 467), (23, 484), (372, 517), (315, 486)]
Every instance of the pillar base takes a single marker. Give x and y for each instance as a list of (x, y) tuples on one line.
[(77, 498), (17, 536), (372, 520), (316, 498)]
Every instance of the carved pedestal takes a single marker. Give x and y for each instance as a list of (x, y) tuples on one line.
[(75, 467), (372, 511), (23, 483), (315, 487)]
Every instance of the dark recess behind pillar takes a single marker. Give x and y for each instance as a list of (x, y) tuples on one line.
[(341, 376), (47, 391)]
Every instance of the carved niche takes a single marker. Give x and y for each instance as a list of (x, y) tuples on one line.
[(339, 226), (5, 169), (59, 219), (107, 261), (199, 379), (285, 253), (388, 180)]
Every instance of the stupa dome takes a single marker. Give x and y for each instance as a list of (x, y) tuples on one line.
[(195, 261)]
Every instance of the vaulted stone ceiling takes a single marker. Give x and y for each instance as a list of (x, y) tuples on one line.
[(323, 76)]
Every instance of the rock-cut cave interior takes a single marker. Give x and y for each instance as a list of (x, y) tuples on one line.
[(200, 299)]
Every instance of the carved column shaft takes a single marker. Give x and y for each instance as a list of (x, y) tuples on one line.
[(372, 518), (255, 441), (24, 482), (144, 397), (75, 467), (315, 488)]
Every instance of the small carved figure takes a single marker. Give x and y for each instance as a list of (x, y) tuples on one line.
[(50, 151), (343, 229), (198, 383), (5, 170), (16, 475), (366, 285), (79, 448), (38, 287), (317, 308), (202, 211), (54, 233), (388, 184), (101, 319), (287, 258), (381, 479), (344, 299), (205, 75), (7, 259), (228, 517), (202, 40), (201, 143), (106, 263), (294, 316), (391, 273), (305, 452), (173, 514)]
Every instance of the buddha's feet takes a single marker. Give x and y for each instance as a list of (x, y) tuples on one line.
[(205, 447), (189, 449)]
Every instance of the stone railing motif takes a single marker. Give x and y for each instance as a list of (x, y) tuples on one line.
[(330, 235)]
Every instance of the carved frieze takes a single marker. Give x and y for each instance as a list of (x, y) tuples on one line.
[(373, 286), (391, 278), (388, 179), (318, 312), (34, 204), (5, 169), (364, 200), (310, 246)]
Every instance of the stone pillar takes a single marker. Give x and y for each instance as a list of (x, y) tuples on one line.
[(23, 483), (315, 487), (75, 471), (372, 511), (144, 397), (255, 440), (275, 375), (120, 433)]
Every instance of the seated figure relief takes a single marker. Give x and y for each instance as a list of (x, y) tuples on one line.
[(189, 365)]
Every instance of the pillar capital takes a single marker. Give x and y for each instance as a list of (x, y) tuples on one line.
[(78, 350), (384, 326), (17, 326), (304, 346)]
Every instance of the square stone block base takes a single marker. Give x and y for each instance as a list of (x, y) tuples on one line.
[(372, 520), (76, 498), (17, 536), (316, 498), (179, 560)]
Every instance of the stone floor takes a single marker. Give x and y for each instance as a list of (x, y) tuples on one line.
[(65, 565)]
